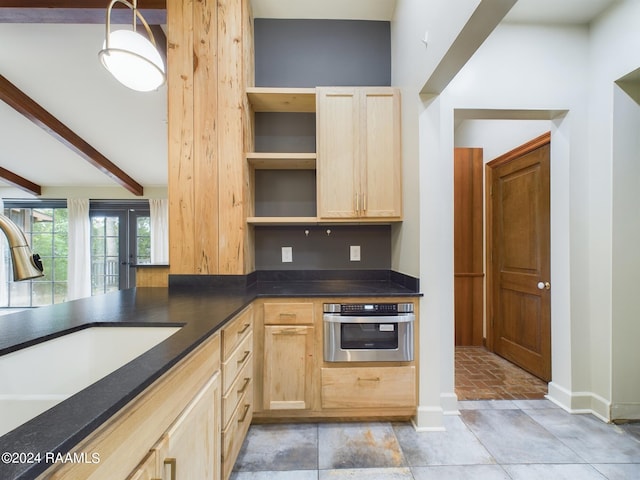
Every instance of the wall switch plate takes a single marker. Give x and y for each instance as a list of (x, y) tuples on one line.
[(287, 254), (354, 253)]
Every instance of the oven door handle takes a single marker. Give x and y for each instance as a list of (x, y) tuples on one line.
[(404, 318)]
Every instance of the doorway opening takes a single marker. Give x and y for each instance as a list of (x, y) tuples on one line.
[(479, 372)]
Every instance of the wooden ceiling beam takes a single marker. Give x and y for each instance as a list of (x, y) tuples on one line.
[(25, 105), (20, 182), (78, 11)]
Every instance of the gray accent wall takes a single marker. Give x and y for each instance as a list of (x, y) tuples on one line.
[(311, 53), (319, 251)]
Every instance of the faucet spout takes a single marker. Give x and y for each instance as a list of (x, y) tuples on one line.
[(26, 265)]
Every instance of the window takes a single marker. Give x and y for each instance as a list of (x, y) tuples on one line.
[(45, 228), (120, 239)]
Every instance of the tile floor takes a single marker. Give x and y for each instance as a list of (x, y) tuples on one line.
[(502, 439), (482, 375)]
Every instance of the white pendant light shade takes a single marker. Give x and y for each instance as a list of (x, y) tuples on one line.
[(133, 60)]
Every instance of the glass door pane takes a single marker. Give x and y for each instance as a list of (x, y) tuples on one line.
[(106, 258)]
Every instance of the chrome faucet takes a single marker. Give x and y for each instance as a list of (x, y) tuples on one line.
[(26, 265)]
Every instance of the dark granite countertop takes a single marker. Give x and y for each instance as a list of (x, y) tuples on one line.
[(199, 308)]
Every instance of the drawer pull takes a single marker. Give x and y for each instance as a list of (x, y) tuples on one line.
[(244, 415), (244, 386), (376, 379), (288, 315), (244, 357), (244, 329), (290, 331), (171, 462)]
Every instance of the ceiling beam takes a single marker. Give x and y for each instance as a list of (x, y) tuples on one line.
[(23, 104), (78, 11), (20, 182)]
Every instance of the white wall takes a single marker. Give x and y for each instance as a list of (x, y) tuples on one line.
[(415, 247), (498, 136), (626, 258), (615, 41), (412, 63), (544, 80)]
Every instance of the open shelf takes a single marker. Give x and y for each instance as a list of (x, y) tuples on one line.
[(268, 99), (282, 161), (282, 220)]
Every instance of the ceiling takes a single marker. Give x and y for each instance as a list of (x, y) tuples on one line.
[(57, 66)]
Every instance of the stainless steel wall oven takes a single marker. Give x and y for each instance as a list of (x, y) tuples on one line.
[(368, 332)]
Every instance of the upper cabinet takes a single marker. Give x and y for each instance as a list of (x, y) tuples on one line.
[(355, 174), (359, 172)]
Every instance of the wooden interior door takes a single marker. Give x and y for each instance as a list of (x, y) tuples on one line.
[(468, 249), (518, 255)]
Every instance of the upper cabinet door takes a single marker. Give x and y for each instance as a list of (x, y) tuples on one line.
[(338, 152), (382, 169), (359, 170)]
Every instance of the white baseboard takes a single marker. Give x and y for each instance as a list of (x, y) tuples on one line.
[(428, 419), (625, 411), (580, 402)]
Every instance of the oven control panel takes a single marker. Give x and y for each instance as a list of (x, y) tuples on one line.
[(368, 309)]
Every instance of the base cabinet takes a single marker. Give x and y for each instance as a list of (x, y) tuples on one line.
[(288, 367), (191, 447), (288, 346), (295, 383), (369, 387), (237, 380)]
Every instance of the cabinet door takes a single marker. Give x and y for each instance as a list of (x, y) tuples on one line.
[(191, 447), (288, 367), (382, 171), (147, 470), (338, 153)]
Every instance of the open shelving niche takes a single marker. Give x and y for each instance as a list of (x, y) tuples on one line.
[(270, 171)]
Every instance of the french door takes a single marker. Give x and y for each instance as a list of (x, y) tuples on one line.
[(120, 240)]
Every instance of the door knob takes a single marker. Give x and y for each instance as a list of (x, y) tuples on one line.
[(544, 286)]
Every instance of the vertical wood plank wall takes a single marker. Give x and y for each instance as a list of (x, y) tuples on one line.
[(210, 63), (468, 246)]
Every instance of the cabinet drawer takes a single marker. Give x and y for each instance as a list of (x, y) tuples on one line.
[(237, 359), (236, 331), (374, 387), (235, 432), (288, 313), (242, 384)]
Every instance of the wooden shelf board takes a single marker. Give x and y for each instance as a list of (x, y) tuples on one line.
[(282, 220), (265, 99), (282, 161)]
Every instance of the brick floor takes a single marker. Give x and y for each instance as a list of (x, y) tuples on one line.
[(482, 375)]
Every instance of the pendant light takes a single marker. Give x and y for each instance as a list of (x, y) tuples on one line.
[(130, 57)]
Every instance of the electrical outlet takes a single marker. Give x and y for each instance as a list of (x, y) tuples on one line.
[(287, 254), (354, 253)]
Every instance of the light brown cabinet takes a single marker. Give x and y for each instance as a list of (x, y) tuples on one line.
[(369, 387), (359, 172), (289, 356), (237, 380), (192, 445)]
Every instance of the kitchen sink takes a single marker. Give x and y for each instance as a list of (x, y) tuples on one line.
[(36, 378)]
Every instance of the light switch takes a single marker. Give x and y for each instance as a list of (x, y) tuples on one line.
[(287, 254), (354, 253)]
